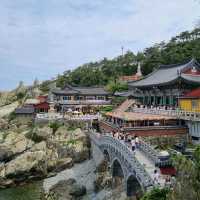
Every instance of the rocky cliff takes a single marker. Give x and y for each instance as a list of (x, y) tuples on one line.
[(29, 153)]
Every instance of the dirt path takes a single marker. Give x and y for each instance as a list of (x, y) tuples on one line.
[(5, 110)]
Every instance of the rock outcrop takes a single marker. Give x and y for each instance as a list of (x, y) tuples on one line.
[(66, 190), (44, 133), (13, 144), (103, 177), (3, 124), (75, 144), (22, 159)]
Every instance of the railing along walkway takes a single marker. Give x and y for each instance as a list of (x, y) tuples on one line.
[(193, 116)]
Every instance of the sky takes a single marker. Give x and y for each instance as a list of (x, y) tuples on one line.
[(42, 38)]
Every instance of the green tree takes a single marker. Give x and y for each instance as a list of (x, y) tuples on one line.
[(116, 86), (54, 126), (156, 194), (187, 185)]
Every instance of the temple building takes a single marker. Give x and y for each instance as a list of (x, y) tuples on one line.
[(32, 106), (165, 85), (164, 103), (82, 99)]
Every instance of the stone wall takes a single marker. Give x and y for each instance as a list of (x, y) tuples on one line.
[(97, 155)]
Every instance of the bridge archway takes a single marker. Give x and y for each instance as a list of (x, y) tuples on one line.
[(106, 155), (117, 174), (133, 187), (117, 170)]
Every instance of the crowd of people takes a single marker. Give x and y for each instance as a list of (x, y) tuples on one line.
[(132, 141)]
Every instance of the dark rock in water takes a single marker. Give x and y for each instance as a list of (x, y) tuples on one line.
[(77, 190), (6, 182), (67, 190), (62, 185)]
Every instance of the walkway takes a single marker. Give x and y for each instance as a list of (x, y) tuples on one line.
[(149, 166), (6, 110)]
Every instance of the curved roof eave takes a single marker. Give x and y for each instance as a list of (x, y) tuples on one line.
[(158, 84), (191, 79)]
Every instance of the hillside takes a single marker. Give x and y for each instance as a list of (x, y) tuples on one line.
[(179, 49)]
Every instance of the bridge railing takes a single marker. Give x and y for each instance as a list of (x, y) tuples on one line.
[(129, 159), (153, 154), (149, 151)]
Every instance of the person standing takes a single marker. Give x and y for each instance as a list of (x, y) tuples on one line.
[(156, 177), (136, 142), (117, 135), (133, 144)]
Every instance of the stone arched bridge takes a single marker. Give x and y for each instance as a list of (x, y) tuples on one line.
[(136, 170)]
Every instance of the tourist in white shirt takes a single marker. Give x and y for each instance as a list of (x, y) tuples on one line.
[(137, 142), (133, 144)]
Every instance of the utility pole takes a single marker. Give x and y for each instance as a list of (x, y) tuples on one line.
[(122, 50)]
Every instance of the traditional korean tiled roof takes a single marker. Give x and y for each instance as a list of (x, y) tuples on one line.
[(167, 74), (70, 90), (92, 90), (25, 110)]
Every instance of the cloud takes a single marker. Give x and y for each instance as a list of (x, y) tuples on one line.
[(44, 38)]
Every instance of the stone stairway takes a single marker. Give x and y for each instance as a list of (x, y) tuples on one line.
[(125, 105)]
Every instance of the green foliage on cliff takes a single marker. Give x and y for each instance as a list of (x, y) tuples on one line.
[(179, 49)]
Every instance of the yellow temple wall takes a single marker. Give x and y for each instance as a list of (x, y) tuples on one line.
[(186, 105)]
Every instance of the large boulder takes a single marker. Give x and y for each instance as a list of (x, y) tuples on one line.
[(79, 134), (3, 124), (44, 133), (42, 146), (73, 144), (67, 189), (64, 163), (52, 158), (29, 163), (62, 134), (77, 190), (2, 136), (13, 144), (80, 152)]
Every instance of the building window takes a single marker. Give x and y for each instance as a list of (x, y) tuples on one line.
[(66, 98), (90, 98), (194, 104), (101, 98), (80, 98)]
